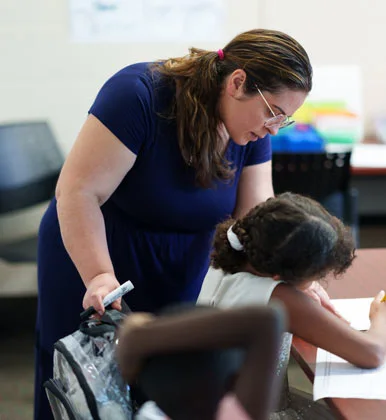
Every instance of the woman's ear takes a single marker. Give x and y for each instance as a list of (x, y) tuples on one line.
[(276, 277), (235, 84)]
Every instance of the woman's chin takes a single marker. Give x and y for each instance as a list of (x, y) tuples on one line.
[(244, 140)]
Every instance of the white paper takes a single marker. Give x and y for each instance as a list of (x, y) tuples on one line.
[(356, 311), (335, 377), (147, 20)]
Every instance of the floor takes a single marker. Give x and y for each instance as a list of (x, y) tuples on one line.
[(17, 316)]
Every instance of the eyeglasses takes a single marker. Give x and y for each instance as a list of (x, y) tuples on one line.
[(277, 120)]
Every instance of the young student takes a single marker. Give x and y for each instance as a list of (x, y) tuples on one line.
[(204, 363), (275, 251)]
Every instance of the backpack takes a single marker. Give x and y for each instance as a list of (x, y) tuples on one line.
[(86, 383)]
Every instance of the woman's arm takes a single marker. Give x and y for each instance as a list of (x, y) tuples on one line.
[(256, 329), (255, 186), (316, 325), (93, 170)]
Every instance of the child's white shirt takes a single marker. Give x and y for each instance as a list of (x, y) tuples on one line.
[(239, 289), (242, 289)]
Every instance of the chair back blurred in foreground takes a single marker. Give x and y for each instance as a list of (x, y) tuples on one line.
[(30, 162)]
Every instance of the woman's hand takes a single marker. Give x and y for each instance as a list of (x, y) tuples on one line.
[(97, 289), (316, 292)]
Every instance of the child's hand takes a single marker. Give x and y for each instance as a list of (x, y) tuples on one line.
[(135, 320), (316, 292), (377, 305), (129, 359)]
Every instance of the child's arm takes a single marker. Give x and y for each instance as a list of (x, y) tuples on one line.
[(314, 324), (256, 329)]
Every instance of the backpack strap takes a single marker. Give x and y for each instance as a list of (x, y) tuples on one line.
[(107, 323)]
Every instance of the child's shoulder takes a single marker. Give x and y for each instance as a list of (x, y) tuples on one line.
[(238, 289)]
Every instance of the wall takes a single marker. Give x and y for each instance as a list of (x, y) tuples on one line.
[(45, 75), (338, 32)]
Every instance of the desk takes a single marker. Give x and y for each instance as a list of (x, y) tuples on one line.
[(365, 278), (368, 170), (368, 159)]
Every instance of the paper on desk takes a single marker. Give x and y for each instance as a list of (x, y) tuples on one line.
[(356, 311), (335, 377)]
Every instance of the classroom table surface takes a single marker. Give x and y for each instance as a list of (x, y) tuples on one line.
[(368, 160), (365, 278)]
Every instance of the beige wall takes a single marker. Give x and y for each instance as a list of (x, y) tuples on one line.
[(339, 32), (44, 75)]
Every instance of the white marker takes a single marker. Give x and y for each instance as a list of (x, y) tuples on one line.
[(109, 298), (118, 292)]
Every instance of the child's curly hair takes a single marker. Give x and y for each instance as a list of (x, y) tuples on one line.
[(291, 236)]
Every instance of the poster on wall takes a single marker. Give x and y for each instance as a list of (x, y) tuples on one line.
[(335, 105), (95, 21)]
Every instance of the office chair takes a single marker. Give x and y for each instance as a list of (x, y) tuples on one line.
[(30, 162), (322, 176)]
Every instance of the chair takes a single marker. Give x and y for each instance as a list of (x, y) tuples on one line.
[(30, 162), (323, 176)]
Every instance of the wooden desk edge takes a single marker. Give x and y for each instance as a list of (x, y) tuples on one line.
[(358, 171)]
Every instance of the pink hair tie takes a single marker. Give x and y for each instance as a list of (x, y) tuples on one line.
[(220, 54)]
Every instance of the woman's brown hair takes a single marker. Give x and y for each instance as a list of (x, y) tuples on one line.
[(291, 236), (272, 61)]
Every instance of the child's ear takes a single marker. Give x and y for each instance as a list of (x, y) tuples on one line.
[(276, 277)]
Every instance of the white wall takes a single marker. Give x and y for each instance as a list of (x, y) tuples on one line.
[(339, 32), (44, 75)]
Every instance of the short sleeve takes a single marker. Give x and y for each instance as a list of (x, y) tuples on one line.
[(123, 105), (259, 151)]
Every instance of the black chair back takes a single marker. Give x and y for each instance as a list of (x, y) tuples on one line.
[(325, 177), (30, 162), (316, 175)]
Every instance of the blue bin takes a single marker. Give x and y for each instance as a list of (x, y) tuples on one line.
[(298, 138)]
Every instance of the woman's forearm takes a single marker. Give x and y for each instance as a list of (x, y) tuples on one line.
[(83, 232)]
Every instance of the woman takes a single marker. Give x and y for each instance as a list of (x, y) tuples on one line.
[(169, 149)]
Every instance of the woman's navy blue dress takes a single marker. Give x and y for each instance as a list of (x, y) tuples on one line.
[(159, 223)]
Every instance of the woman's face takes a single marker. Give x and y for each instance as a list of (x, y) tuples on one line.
[(244, 116)]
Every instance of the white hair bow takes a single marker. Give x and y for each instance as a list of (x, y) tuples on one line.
[(234, 240)]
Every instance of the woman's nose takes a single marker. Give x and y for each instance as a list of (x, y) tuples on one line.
[(273, 130)]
